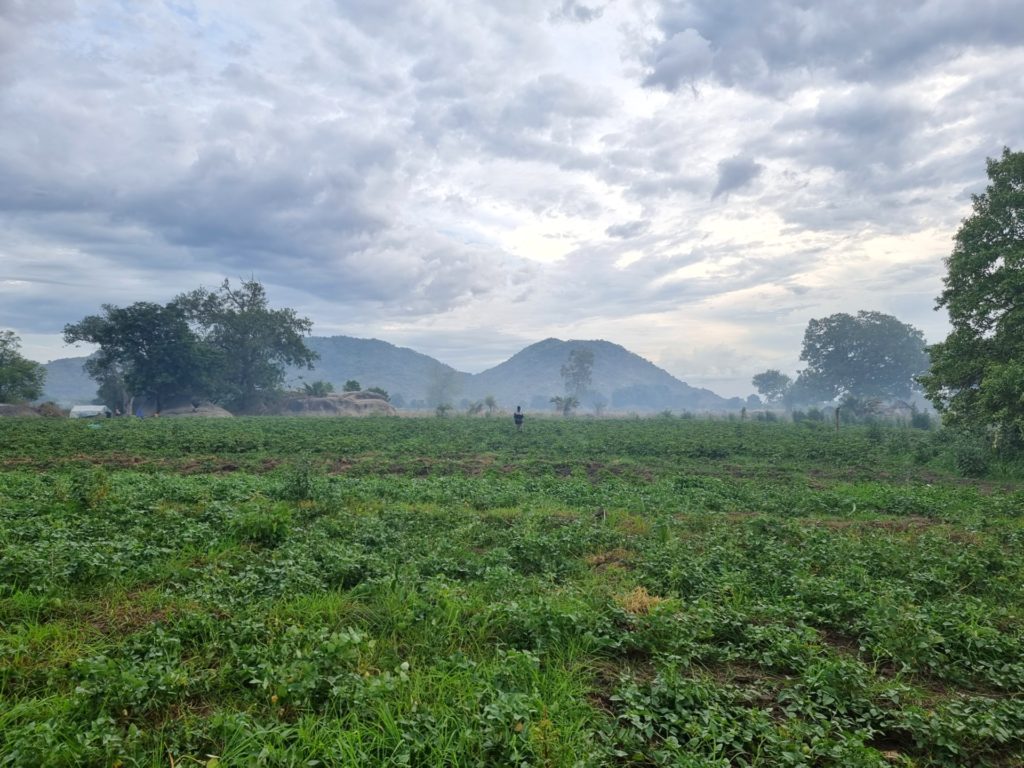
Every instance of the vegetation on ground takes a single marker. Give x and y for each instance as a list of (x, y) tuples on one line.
[(453, 592)]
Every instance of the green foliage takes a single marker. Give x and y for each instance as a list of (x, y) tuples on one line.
[(415, 592), (20, 379), (977, 374), (259, 524), (773, 384), (351, 386), (870, 355), (249, 343), (380, 391), (146, 349), (318, 388)]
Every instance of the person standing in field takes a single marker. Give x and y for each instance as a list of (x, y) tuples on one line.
[(517, 417)]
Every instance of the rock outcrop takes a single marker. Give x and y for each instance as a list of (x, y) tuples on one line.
[(345, 404), (202, 411)]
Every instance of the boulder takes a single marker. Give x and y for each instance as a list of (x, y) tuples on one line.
[(19, 411), (344, 404), (202, 411)]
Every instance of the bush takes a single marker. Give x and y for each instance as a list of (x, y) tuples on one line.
[(920, 419), (971, 455), (261, 525), (51, 410), (298, 483)]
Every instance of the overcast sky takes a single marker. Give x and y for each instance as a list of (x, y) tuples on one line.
[(692, 179)]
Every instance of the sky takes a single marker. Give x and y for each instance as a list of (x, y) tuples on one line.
[(692, 179)]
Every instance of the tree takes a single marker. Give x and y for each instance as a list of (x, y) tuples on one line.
[(380, 391), (20, 379), (318, 388), (252, 343), (867, 355), (773, 384), (352, 386), (444, 386), (576, 372), (977, 373), (564, 405), (491, 404), (146, 349)]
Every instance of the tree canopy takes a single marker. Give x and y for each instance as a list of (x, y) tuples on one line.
[(225, 345), (147, 347), (251, 343), (772, 384), (977, 373), (20, 378), (868, 355)]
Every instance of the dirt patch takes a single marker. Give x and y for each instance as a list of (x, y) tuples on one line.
[(638, 602), (620, 558), (843, 644), (126, 615), (899, 524)]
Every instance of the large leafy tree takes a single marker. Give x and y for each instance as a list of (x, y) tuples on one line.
[(867, 355), (146, 349), (772, 384), (20, 378), (250, 343), (977, 373)]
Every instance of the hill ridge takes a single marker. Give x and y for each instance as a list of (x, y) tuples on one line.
[(622, 379)]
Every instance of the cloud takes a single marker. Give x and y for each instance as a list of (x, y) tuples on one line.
[(735, 173), (778, 46), (542, 167), (681, 59), (573, 11), (628, 230)]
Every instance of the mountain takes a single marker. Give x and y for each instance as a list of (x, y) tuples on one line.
[(621, 380), (374, 363), (67, 383)]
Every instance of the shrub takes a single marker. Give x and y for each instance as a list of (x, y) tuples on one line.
[(51, 410), (971, 455), (258, 524)]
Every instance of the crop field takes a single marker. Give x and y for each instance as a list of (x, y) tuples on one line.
[(448, 592)]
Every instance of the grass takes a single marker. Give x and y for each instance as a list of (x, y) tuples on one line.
[(451, 592)]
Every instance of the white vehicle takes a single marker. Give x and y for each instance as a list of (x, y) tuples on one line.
[(89, 412)]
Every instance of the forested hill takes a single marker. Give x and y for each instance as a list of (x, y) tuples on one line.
[(621, 381)]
